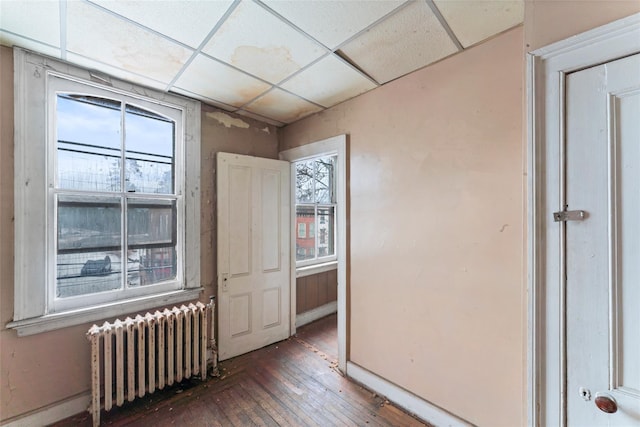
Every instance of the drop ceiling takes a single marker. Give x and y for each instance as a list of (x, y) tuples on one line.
[(274, 60)]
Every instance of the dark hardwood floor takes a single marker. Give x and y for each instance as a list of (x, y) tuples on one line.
[(291, 383)]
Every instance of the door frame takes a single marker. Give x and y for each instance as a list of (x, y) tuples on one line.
[(546, 328), (334, 145)]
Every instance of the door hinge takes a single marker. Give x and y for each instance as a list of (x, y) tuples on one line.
[(563, 216)]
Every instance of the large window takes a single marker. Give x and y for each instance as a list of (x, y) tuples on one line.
[(117, 200), (106, 197), (315, 198)]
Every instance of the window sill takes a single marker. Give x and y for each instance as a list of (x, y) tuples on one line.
[(309, 270), (65, 319)]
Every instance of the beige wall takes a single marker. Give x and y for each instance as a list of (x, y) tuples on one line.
[(548, 21), (436, 193), (43, 369), (436, 229)]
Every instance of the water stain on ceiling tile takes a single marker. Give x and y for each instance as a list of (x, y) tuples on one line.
[(188, 23), (96, 34), (271, 60), (328, 82), (252, 30), (115, 72), (220, 82), (259, 118), (279, 60), (282, 106)]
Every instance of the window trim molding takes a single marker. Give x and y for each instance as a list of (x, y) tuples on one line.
[(334, 145), (31, 72), (310, 270)]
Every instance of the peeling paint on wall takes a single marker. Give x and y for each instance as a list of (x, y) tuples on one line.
[(266, 130), (227, 120)]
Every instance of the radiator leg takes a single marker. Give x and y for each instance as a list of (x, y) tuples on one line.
[(213, 345), (94, 337)]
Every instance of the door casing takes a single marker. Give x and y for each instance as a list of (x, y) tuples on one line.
[(546, 70), (334, 145)]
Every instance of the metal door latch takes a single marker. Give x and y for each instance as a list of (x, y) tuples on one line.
[(563, 216)]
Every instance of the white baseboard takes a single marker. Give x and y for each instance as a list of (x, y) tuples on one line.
[(52, 413), (316, 313), (405, 399)]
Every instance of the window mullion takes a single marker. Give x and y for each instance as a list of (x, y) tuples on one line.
[(124, 202), (315, 231), (314, 180)]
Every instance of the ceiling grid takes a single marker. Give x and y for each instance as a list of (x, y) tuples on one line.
[(273, 60)]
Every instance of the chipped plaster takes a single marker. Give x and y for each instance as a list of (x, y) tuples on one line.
[(227, 120)]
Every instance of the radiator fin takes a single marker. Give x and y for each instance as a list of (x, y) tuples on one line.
[(138, 355)]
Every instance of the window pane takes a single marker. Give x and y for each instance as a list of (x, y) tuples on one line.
[(304, 182), (89, 249), (326, 231), (324, 177), (88, 148), (302, 229), (150, 152), (306, 243), (151, 237)]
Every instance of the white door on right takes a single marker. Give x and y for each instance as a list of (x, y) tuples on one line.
[(603, 250)]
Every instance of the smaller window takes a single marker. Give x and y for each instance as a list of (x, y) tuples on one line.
[(315, 198)]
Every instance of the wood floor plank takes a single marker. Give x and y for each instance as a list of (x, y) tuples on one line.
[(293, 383)]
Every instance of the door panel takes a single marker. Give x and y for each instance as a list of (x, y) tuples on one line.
[(625, 114), (253, 253), (603, 251), (239, 210), (271, 223)]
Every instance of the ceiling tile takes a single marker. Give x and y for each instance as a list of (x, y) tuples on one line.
[(282, 106), (203, 98), (118, 73), (9, 39), (259, 118), (37, 20), (328, 82), (99, 35), (333, 22), (404, 42), (257, 42), (475, 20), (188, 23), (218, 81)]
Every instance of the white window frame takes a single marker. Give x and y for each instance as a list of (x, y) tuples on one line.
[(34, 310), (310, 228)]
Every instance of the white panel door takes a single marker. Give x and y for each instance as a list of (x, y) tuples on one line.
[(253, 253), (603, 250)]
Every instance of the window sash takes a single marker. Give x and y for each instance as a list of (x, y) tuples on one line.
[(58, 84), (32, 313), (315, 227), (306, 195)]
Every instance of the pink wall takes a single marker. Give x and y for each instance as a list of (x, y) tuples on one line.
[(436, 229), (47, 368), (436, 192), (548, 21)]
